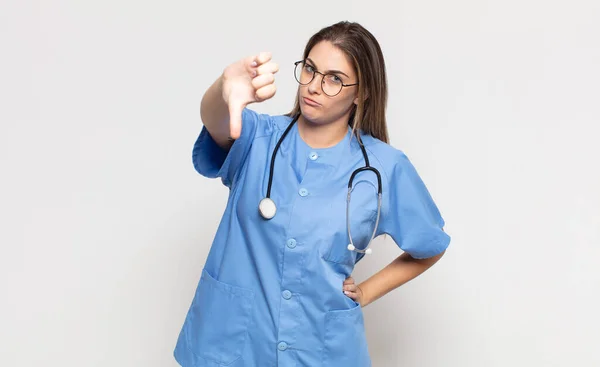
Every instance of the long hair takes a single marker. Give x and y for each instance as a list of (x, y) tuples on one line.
[(364, 51)]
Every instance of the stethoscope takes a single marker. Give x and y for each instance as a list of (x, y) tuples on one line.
[(268, 208)]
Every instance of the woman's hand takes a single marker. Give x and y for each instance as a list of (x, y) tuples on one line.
[(353, 291), (246, 81)]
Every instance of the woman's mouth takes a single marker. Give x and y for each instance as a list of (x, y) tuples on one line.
[(310, 102)]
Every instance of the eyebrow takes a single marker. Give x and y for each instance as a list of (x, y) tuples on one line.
[(328, 71)]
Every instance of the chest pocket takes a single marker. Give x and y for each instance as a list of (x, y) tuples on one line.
[(362, 214)]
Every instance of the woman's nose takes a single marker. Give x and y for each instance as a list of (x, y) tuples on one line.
[(315, 84)]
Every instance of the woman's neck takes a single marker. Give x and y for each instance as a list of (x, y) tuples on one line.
[(319, 136)]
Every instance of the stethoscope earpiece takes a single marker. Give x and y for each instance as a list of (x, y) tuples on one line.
[(368, 251)]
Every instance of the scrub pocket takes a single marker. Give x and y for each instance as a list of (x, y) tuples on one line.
[(345, 343), (217, 323)]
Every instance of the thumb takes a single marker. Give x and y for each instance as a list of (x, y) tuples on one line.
[(235, 119)]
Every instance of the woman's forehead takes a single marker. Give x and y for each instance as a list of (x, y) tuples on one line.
[(325, 56)]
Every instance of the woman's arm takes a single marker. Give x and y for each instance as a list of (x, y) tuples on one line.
[(214, 113), (403, 269)]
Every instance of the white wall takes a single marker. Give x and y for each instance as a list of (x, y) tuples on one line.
[(106, 226)]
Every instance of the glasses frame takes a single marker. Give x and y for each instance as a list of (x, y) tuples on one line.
[(315, 72)]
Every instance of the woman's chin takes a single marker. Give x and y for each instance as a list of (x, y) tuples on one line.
[(311, 119), (308, 114)]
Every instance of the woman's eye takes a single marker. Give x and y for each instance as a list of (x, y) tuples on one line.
[(334, 79), (309, 68)]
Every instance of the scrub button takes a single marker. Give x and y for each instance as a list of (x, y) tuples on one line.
[(286, 294), (313, 156), (291, 243), (282, 346), (303, 192)]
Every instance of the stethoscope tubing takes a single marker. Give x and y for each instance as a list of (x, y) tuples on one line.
[(367, 167)]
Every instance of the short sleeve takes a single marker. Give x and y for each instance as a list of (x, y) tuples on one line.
[(411, 216), (212, 161)]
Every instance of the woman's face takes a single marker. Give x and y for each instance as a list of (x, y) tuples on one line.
[(318, 107)]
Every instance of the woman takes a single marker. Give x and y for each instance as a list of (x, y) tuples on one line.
[(276, 289)]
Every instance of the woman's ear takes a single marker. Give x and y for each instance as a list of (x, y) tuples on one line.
[(358, 98)]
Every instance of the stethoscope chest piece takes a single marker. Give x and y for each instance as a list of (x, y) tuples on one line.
[(267, 208)]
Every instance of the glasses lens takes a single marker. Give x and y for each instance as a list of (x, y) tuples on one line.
[(304, 73), (332, 85)]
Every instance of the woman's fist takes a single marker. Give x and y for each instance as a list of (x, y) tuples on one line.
[(249, 80)]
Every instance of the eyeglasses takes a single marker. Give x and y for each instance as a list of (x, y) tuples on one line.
[(331, 84)]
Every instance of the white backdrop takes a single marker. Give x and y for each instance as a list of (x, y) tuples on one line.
[(105, 225)]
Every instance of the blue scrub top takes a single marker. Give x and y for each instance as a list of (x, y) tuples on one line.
[(270, 293)]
